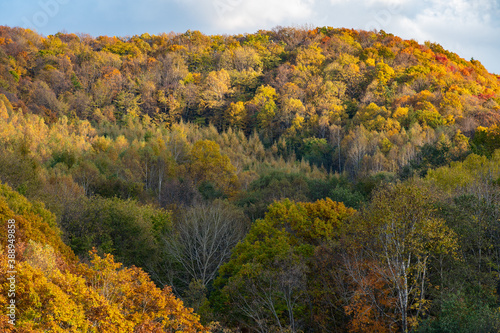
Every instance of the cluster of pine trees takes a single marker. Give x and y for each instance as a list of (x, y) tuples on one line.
[(292, 180)]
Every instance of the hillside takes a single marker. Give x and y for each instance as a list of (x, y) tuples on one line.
[(52, 292), (310, 92), (289, 180)]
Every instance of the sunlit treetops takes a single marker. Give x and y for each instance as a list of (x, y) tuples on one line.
[(54, 292)]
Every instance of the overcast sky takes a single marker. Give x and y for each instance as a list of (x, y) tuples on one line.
[(470, 28)]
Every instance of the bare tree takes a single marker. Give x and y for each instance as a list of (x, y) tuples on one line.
[(203, 239)]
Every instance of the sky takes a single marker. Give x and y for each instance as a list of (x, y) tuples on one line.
[(470, 28)]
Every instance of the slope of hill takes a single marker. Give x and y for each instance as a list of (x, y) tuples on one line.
[(344, 88), (53, 292), (283, 181)]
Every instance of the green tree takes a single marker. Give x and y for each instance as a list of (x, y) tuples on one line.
[(265, 284), (121, 227)]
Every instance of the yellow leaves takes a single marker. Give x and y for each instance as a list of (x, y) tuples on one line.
[(370, 62), (428, 115), (441, 238), (6, 104), (482, 129), (208, 164), (294, 106), (346, 59), (54, 45), (35, 223), (216, 86), (101, 144), (176, 48), (236, 115), (43, 139), (44, 304), (103, 297), (241, 59), (464, 174), (85, 129), (327, 217), (4, 114), (194, 78), (264, 101), (400, 113), (265, 93), (384, 72), (310, 59), (310, 222), (401, 234), (386, 145), (451, 104), (373, 117), (121, 143), (297, 122), (119, 47), (424, 95), (41, 256), (292, 113)]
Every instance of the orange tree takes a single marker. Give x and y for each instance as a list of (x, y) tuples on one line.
[(56, 293)]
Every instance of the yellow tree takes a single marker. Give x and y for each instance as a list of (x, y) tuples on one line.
[(236, 115), (400, 236), (138, 299), (213, 96), (207, 164), (264, 105), (54, 293)]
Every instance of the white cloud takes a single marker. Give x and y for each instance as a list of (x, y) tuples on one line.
[(250, 15), (469, 27)]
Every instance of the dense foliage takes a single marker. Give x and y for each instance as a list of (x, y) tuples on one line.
[(55, 293), (292, 180)]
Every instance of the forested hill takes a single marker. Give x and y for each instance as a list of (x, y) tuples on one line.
[(292, 180), (310, 91)]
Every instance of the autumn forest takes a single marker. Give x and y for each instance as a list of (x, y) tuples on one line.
[(293, 180)]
